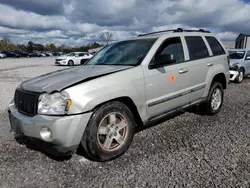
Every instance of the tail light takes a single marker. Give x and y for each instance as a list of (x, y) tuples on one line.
[(228, 60)]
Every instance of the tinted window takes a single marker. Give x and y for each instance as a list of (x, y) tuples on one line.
[(197, 47), (81, 54), (236, 54), (215, 46), (130, 52), (173, 46)]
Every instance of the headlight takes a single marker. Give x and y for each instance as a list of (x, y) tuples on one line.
[(53, 104)]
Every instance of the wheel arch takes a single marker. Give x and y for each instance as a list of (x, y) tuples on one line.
[(243, 68), (221, 78), (70, 60), (130, 104)]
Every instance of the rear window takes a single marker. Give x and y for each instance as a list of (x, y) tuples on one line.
[(215, 46), (196, 47)]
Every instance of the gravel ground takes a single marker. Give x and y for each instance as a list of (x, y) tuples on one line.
[(188, 151)]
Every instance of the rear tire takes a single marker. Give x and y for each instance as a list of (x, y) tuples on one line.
[(214, 100), (109, 132)]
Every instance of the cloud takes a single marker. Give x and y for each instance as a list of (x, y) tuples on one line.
[(29, 20), (80, 22), (227, 36), (6, 30), (43, 7)]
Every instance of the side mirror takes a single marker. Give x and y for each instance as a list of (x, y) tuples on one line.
[(163, 59), (77, 55)]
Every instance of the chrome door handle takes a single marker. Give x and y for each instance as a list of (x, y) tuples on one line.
[(182, 71), (210, 64)]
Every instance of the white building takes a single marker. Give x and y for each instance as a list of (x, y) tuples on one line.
[(242, 41), (94, 50)]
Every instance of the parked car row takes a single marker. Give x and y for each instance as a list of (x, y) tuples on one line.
[(18, 54)]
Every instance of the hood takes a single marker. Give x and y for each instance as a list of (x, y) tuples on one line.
[(63, 57), (234, 61), (58, 80)]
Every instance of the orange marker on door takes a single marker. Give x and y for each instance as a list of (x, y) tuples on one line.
[(172, 78)]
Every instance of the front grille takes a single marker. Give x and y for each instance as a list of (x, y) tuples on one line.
[(26, 102), (59, 59)]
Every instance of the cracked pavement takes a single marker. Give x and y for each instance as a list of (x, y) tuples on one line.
[(187, 151)]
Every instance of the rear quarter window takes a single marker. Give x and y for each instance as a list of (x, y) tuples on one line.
[(196, 47), (215, 46)]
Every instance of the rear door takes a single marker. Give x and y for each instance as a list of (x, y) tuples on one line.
[(200, 63), (167, 86)]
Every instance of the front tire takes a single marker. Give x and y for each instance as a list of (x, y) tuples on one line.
[(71, 63), (109, 132), (240, 77)]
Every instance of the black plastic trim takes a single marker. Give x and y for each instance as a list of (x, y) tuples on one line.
[(176, 96), (170, 114)]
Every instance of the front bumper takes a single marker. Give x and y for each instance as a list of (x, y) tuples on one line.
[(66, 131), (63, 62), (233, 75)]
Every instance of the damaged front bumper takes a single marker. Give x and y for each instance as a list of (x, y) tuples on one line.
[(234, 72)]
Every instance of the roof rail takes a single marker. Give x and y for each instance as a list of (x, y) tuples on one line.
[(190, 30), (174, 30), (156, 32)]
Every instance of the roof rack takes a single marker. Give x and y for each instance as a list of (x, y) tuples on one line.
[(188, 30), (174, 31)]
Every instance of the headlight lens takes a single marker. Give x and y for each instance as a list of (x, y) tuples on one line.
[(53, 104)]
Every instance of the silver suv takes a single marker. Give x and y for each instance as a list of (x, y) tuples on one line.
[(125, 87)]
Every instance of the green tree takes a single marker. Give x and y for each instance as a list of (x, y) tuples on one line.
[(52, 46), (30, 46)]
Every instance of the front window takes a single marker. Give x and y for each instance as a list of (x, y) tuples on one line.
[(237, 54), (129, 52), (71, 54)]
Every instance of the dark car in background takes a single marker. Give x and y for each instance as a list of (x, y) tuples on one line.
[(10, 53), (23, 54)]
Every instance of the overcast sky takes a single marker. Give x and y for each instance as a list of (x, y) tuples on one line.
[(77, 22)]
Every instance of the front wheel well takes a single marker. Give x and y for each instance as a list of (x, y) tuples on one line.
[(242, 69), (130, 104), (221, 78)]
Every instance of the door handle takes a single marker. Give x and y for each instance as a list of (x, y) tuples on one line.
[(210, 64), (182, 71)]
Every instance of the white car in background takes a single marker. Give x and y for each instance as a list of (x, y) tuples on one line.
[(2, 55), (73, 58)]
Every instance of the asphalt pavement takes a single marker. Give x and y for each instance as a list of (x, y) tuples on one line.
[(187, 151)]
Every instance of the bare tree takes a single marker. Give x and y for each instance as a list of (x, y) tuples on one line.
[(6, 40), (106, 37)]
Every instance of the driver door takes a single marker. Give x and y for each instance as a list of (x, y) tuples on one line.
[(167, 87), (78, 58)]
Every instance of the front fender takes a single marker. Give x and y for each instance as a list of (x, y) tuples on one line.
[(86, 96)]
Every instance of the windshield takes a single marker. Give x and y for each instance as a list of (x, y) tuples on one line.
[(236, 54), (129, 52), (71, 54)]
